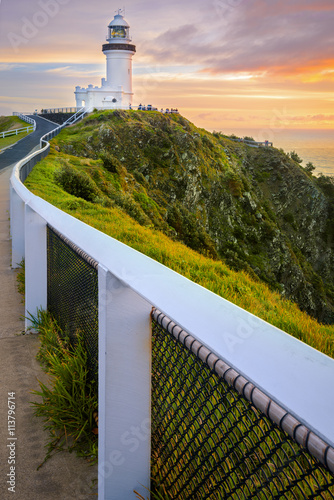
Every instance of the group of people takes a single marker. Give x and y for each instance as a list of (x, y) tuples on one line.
[(149, 107)]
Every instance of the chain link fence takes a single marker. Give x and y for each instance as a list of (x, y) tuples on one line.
[(72, 293), (215, 435)]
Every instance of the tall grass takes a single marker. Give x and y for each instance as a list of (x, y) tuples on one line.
[(69, 400)]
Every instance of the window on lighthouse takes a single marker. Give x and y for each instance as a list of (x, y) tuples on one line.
[(119, 32)]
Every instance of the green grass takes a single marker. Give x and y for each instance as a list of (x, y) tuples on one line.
[(20, 279), (68, 402), (11, 123), (12, 139), (237, 287)]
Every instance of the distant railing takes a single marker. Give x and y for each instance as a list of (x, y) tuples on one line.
[(16, 131), (44, 144), (59, 110), (26, 118), (240, 409), (254, 144), (24, 115)]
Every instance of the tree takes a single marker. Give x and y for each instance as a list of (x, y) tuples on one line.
[(294, 156), (309, 167)]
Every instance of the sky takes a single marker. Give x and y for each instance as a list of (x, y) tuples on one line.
[(227, 65)]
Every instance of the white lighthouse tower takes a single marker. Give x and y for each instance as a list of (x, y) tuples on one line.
[(116, 90)]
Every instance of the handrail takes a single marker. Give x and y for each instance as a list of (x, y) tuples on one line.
[(70, 121), (254, 144), (25, 118), (59, 110)]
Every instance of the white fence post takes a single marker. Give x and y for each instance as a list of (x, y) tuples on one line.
[(17, 215), (124, 390), (36, 263)]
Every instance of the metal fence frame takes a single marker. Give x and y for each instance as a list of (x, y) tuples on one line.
[(129, 285), (216, 435)]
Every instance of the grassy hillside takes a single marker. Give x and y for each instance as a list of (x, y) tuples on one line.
[(101, 199), (256, 209)]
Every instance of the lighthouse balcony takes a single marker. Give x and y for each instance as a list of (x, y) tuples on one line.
[(118, 46)]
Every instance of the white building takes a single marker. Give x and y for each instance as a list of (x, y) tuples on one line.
[(116, 90)]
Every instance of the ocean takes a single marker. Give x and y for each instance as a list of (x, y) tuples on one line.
[(316, 146)]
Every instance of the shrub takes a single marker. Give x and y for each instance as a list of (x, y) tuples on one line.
[(294, 156), (110, 163), (76, 183)]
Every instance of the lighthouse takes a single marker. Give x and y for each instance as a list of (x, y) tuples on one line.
[(116, 89)]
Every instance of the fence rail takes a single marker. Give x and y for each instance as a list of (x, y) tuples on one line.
[(25, 116), (254, 144), (59, 110), (16, 131), (238, 404)]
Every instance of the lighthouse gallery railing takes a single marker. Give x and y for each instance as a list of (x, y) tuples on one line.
[(237, 411)]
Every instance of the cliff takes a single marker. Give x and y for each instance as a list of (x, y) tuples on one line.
[(254, 208)]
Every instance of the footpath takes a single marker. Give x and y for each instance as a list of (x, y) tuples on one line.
[(64, 476)]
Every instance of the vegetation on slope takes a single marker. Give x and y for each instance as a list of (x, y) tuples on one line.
[(256, 209), (101, 198)]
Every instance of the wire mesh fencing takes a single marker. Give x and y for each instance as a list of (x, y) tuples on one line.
[(72, 294), (215, 435)]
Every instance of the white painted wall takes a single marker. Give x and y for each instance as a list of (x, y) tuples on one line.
[(119, 69)]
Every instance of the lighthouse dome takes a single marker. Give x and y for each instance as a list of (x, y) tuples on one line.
[(119, 21), (118, 29)]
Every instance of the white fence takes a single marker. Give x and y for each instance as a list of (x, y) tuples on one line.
[(293, 374), (59, 110), (253, 144), (26, 118), (16, 131)]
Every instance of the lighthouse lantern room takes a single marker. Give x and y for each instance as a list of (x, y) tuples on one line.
[(116, 90)]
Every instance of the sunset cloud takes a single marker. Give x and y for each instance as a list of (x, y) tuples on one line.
[(222, 61), (260, 37)]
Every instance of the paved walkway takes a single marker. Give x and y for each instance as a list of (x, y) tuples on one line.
[(14, 153), (63, 476)]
